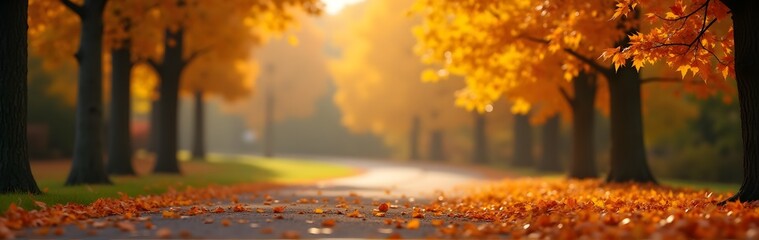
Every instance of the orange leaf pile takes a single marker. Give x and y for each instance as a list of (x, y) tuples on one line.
[(16, 218), (570, 209)]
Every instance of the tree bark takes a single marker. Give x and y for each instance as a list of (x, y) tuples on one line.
[(15, 172), (746, 35), (628, 152), (480, 149), (119, 143), (154, 116), (88, 166), (437, 153), (522, 141), (269, 122), (583, 162), (199, 137), (170, 71), (414, 138), (550, 159)]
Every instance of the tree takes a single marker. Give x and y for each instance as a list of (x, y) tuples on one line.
[(119, 139), (523, 152), (15, 172), (87, 165), (695, 44), (186, 38), (551, 29), (549, 160), (506, 67)]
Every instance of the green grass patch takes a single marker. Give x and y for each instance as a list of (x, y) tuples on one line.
[(218, 170)]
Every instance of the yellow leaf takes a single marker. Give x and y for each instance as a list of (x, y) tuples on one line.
[(413, 224)]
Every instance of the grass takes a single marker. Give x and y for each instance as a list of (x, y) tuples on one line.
[(218, 170)]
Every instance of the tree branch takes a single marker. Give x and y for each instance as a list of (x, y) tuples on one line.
[(660, 79), (194, 55), (666, 80), (156, 66), (565, 94), (79, 10), (607, 71)]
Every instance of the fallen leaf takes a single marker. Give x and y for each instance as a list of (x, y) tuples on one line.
[(328, 223), (413, 224), (219, 210), (290, 235), (267, 230), (279, 209), (384, 207), (163, 233)]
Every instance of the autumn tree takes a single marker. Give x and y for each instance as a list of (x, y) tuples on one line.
[(498, 64), (575, 32), (687, 37), (15, 172), (379, 92), (188, 34)]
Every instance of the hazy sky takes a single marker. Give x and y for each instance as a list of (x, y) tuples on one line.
[(334, 6)]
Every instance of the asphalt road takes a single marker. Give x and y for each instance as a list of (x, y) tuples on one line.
[(403, 185)]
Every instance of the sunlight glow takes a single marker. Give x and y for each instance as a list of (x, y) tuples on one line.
[(334, 6)]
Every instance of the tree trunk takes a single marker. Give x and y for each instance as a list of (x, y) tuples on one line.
[(746, 35), (154, 115), (15, 172), (522, 141), (269, 123), (88, 166), (628, 153), (436, 146), (199, 138), (583, 162), (170, 71), (414, 138), (480, 149), (119, 144), (550, 158)]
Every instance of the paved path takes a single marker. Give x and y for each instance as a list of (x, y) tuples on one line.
[(400, 184)]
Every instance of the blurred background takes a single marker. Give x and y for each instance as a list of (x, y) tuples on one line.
[(347, 84)]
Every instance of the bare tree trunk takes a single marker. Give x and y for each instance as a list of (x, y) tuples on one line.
[(583, 162), (88, 166), (437, 152), (119, 143), (746, 35), (628, 153), (199, 137), (15, 172), (154, 116), (414, 133), (480, 149), (522, 141), (170, 71), (550, 158)]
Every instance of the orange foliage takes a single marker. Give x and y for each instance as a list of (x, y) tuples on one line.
[(690, 36)]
